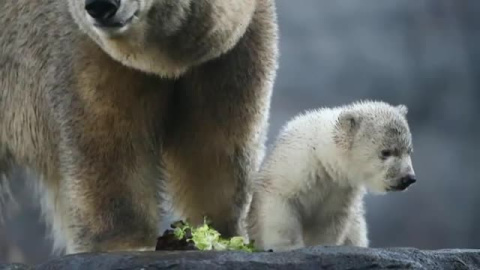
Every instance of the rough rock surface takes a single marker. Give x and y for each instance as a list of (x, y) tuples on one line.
[(337, 258), (14, 267)]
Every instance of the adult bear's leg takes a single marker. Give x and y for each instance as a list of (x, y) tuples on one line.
[(216, 135)]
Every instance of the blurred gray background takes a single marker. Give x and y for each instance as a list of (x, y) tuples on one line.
[(422, 53)]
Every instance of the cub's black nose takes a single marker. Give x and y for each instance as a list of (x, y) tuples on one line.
[(408, 180), (102, 10), (404, 182)]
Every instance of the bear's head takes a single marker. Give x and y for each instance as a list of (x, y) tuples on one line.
[(133, 32), (116, 19), (163, 37), (375, 141)]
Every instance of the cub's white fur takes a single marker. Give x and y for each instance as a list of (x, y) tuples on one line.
[(310, 189)]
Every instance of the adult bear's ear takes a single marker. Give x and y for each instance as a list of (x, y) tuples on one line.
[(348, 123), (402, 109)]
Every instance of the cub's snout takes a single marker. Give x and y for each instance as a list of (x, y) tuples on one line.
[(404, 182)]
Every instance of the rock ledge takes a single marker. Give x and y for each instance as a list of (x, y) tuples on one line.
[(338, 258)]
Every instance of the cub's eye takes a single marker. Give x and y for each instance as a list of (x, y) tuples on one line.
[(387, 153)]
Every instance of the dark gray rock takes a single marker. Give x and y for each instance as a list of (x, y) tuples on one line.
[(14, 266), (337, 258)]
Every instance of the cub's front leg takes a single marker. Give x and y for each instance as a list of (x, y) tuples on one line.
[(357, 231), (273, 223)]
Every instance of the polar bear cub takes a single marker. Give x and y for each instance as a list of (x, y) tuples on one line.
[(310, 189)]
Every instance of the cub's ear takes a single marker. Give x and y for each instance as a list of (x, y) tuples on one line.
[(349, 122), (403, 109)]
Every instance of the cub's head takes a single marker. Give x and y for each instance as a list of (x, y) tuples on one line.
[(375, 141)]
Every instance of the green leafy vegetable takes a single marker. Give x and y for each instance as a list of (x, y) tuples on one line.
[(207, 238)]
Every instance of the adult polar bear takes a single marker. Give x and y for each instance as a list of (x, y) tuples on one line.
[(112, 101)]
